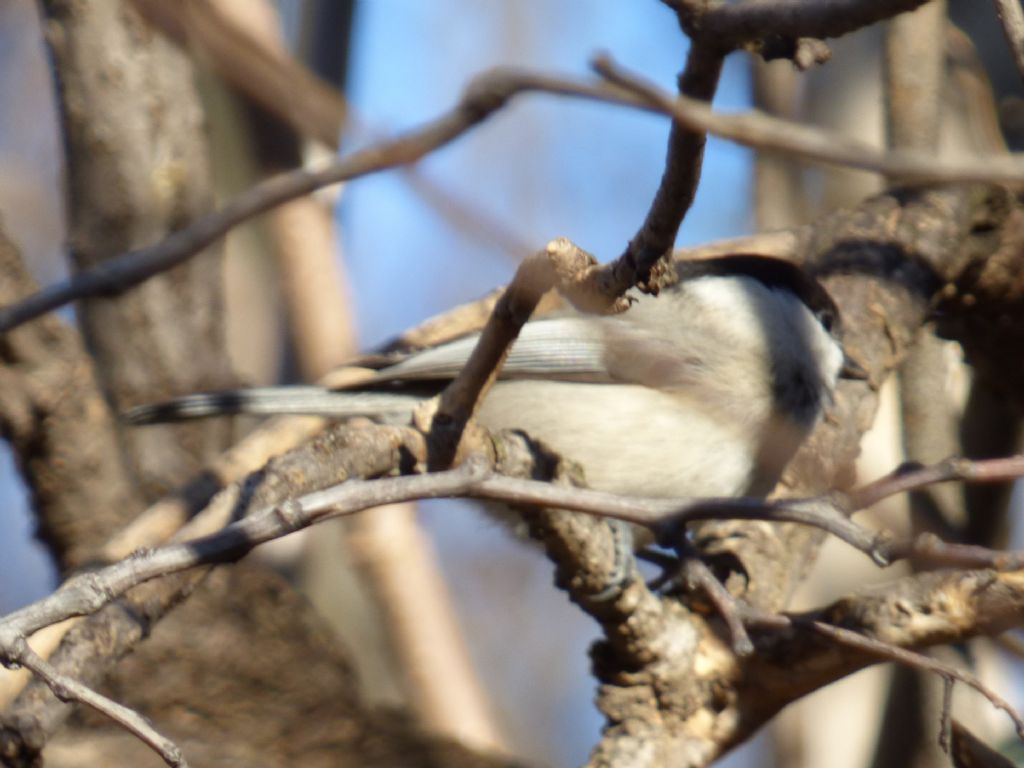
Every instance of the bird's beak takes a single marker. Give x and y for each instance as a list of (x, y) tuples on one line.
[(851, 369)]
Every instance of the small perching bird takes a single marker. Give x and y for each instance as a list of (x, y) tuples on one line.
[(706, 390)]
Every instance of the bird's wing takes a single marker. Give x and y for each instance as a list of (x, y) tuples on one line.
[(565, 348), (598, 350)]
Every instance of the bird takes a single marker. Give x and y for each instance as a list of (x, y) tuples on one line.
[(706, 390)]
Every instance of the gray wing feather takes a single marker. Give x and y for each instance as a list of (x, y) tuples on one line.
[(562, 348)]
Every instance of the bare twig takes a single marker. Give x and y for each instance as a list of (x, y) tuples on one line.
[(678, 187), (560, 265), (87, 592), (467, 218), (1011, 16), (699, 576), (486, 95), (830, 513), (946, 718), (915, 660), (483, 97), (67, 688), (669, 515), (914, 476), (756, 129)]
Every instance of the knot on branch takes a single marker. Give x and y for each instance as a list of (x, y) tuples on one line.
[(488, 92), (576, 274), (804, 52)]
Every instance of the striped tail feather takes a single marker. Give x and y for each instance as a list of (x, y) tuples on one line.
[(276, 401)]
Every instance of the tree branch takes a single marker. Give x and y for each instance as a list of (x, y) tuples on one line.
[(488, 94), (698, 81), (1011, 16), (734, 25), (890, 652), (762, 131), (66, 688)]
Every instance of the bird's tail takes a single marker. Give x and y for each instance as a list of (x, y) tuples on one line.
[(272, 401)]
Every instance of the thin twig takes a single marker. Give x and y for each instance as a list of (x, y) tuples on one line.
[(462, 215), (88, 592), (266, 73), (67, 688), (484, 97), (946, 719), (699, 575), (1011, 16), (562, 266), (761, 131), (910, 477), (668, 516), (533, 279), (678, 188), (916, 660), (830, 513)]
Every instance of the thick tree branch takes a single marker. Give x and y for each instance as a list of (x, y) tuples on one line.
[(137, 169), (53, 414), (733, 25)]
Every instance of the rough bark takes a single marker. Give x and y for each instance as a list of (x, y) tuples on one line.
[(137, 170)]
